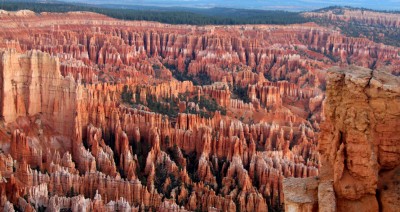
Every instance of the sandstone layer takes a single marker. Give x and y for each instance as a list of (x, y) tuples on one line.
[(358, 143)]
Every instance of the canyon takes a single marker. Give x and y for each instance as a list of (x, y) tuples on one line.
[(100, 114)]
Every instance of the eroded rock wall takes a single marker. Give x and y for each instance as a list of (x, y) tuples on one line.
[(359, 139), (32, 83), (358, 143)]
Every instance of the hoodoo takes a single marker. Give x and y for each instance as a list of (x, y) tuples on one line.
[(102, 114)]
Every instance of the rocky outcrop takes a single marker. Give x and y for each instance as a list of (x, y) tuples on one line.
[(360, 104), (358, 151), (32, 83)]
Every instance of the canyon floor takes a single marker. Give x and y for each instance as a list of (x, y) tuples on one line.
[(100, 114)]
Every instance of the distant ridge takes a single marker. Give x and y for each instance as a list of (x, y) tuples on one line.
[(339, 8), (180, 15)]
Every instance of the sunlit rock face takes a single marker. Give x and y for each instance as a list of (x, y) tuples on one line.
[(359, 146), (359, 153), (102, 114)]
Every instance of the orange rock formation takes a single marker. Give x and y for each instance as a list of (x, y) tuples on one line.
[(94, 118), (358, 150)]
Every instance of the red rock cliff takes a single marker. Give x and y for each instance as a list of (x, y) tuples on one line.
[(358, 145)]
